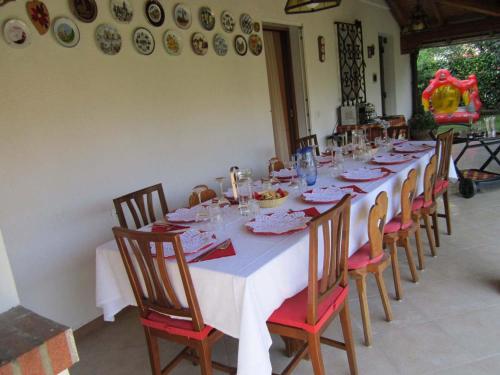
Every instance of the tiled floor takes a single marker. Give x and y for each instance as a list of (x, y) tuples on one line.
[(448, 323)]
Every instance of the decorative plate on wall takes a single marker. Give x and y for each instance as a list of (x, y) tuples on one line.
[(122, 10), (240, 45), (207, 18), (66, 32), (256, 27), (16, 33), (199, 43), (246, 23), (144, 41), (227, 21), (172, 42), (39, 16), (182, 16), (155, 13), (255, 44), (220, 45), (84, 10), (108, 39)]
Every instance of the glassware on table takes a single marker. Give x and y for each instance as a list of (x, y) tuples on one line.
[(244, 194), (201, 211), (336, 169), (267, 184), (306, 165), (293, 186), (221, 200), (254, 207)]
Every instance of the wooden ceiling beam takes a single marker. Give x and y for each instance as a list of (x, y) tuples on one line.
[(398, 13), (477, 6), (434, 7)]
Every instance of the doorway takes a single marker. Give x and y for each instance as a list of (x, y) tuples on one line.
[(287, 89), (387, 75)]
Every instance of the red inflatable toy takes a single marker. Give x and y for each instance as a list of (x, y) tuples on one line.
[(444, 95)]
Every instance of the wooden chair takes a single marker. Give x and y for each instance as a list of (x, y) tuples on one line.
[(371, 258), (142, 212), (444, 147), (306, 315), (398, 232), (424, 206), (161, 313), (308, 141), (206, 195)]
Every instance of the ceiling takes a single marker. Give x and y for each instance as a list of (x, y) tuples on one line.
[(447, 21)]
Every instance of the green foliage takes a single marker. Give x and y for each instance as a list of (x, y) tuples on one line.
[(422, 121), (479, 58)]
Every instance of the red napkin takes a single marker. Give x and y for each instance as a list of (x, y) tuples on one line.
[(356, 188), (311, 211), (216, 253), (384, 169), (166, 227)]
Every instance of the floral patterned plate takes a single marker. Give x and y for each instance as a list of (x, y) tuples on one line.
[(246, 23), (220, 45), (144, 42), (108, 39), (227, 21), (39, 15), (172, 42), (182, 16), (16, 33), (207, 18), (255, 44), (122, 10), (84, 10), (66, 32), (155, 13), (240, 45), (199, 43)]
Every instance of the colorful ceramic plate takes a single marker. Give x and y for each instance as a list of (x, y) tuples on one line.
[(246, 23), (199, 43), (256, 27), (172, 42), (39, 15), (182, 16), (155, 13), (108, 39), (66, 32), (84, 10), (255, 44), (207, 18), (220, 45), (16, 33), (240, 45), (122, 10), (227, 21), (144, 41)]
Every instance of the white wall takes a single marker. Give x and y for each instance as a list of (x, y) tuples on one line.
[(79, 128), (8, 291)]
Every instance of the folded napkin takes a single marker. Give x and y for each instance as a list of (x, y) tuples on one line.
[(363, 173), (392, 158), (324, 159), (225, 249), (192, 241), (166, 228), (279, 222), (184, 215)]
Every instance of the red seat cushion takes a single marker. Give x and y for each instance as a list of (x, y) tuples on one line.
[(173, 326), (293, 312), (361, 258), (419, 202), (395, 225), (441, 185)]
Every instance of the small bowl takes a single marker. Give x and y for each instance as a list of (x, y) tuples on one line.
[(272, 203)]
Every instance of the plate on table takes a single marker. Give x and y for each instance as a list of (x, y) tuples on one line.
[(365, 174), (408, 147), (184, 215), (325, 195), (246, 23), (155, 13), (207, 18), (227, 21), (386, 159), (199, 43), (144, 42), (220, 45), (182, 16), (108, 39), (255, 44), (122, 10), (66, 32), (192, 241), (280, 222), (240, 45), (324, 159), (16, 33), (84, 10), (172, 42), (284, 174)]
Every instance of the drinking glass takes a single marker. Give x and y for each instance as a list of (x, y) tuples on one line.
[(336, 169), (222, 200), (201, 211), (244, 194)]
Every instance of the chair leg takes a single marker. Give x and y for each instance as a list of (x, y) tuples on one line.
[(383, 294), (205, 354), (315, 354), (154, 352), (365, 312), (447, 211), (429, 234), (345, 321), (420, 250), (395, 271), (436, 228), (409, 256)]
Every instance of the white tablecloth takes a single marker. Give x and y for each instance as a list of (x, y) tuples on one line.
[(237, 294)]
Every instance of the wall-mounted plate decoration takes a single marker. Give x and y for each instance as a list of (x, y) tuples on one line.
[(240, 45), (255, 44), (172, 42), (66, 32), (227, 21), (155, 13), (84, 10), (182, 16), (246, 23), (144, 41), (16, 33), (207, 18), (199, 43), (3, 2), (256, 27), (108, 39), (122, 10), (220, 45), (39, 15)]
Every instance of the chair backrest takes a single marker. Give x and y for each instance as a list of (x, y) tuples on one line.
[(444, 147), (275, 164), (142, 212), (308, 141), (148, 275), (334, 225), (205, 195), (430, 178), (408, 192), (376, 223)]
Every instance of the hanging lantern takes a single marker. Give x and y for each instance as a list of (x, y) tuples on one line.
[(418, 19), (308, 6)]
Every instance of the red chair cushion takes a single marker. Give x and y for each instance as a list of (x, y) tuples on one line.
[(441, 185), (395, 225), (361, 258), (419, 202), (293, 312), (173, 326)]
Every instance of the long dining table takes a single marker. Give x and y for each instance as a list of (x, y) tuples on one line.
[(237, 294)]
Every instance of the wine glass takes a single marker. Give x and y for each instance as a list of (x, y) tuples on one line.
[(293, 185), (222, 200), (201, 213)]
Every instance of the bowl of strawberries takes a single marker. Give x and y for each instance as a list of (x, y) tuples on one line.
[(271, 198)]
